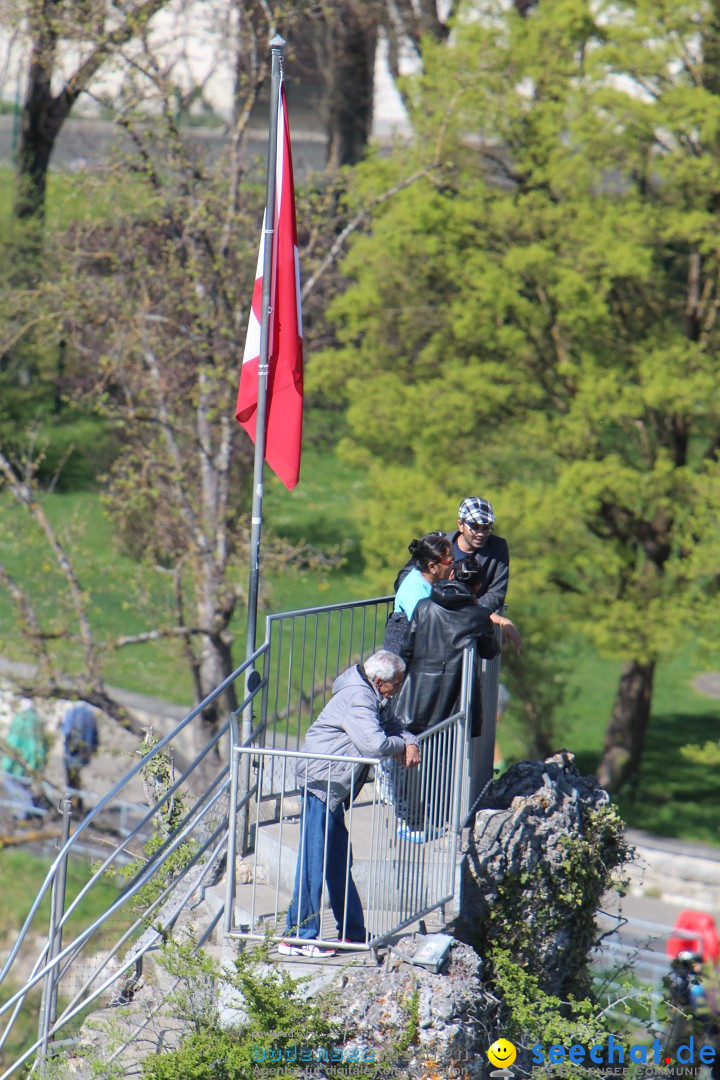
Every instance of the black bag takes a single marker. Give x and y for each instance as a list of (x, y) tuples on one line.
[(395, 629)]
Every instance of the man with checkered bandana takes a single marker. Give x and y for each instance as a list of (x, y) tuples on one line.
[(484, 555)]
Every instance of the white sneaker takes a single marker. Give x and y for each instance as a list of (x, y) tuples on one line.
[(285, 948)]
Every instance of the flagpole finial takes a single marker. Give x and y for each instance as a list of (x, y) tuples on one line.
[(278, 42)]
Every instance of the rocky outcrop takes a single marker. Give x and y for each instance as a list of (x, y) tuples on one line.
[(544, 843), (420, 1023)]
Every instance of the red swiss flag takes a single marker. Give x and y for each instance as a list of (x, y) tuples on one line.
[(283, 432)]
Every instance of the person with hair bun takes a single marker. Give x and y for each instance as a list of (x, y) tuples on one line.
[(432, 561)]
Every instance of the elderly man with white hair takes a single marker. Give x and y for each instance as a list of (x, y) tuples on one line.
[(356, 722)]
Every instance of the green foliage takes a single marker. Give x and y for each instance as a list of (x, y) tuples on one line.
[(534, 1015), (550, 903), (410, 1034), (708, 754), (539, 312), (159, 776), (278, 1015)]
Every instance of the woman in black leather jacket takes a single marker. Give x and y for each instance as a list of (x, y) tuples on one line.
[(441, 628)]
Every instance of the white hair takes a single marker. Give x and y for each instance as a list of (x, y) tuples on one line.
[(384, 665)]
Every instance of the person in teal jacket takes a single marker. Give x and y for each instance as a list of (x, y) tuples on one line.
[(26, 750), (25, 743)]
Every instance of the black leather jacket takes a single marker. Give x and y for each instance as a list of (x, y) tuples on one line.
[(441, 628)]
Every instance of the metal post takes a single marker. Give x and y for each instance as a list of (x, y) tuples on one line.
[(276, 47), (48, 1007), (232, 828)]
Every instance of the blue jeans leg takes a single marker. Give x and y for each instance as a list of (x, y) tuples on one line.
[(303, 917), (337, 865)]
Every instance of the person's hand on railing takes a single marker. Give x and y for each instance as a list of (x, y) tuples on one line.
[(411, 757), (508, 627)]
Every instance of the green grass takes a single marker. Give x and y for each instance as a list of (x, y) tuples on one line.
[(670, 796), (125, 597), (128, 598), (80, 196), (21, 875)]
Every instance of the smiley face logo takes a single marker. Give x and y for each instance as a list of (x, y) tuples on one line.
[(502, 1053)]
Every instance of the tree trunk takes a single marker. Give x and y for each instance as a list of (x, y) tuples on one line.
[(41, 118), (215, 660), (352, 81), (625, 736)]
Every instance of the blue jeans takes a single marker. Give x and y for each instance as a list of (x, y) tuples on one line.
[(305, 922)]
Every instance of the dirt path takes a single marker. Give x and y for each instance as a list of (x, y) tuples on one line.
[(708, 683)]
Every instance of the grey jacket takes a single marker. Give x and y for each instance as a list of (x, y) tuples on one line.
[(356, 722)]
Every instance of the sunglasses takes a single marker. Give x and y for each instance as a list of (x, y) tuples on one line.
[(478, 527)]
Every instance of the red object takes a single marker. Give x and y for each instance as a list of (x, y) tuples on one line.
[(283, 432), (704, 940)]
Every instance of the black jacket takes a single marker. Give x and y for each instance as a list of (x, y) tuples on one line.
[(441, 628), (489, 580)]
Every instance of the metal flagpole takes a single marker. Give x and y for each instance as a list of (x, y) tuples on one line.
[(276, 46)]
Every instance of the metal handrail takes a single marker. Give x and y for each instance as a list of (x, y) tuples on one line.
[(106, 799), (346, 605), (48, 966), (303, 651)]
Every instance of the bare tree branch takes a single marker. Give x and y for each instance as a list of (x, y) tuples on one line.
[(24, 493)]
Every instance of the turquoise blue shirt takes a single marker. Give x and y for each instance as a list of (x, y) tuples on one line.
[(413, 589)]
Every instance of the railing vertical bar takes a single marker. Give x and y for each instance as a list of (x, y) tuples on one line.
[(48, 1011), (351, 635), (291, 671), (232, 825), (301, 688), (374, 863), (389, 870), (325, 851), (314, 668), (277, 635), (326, 661), (344, 931), (338, 643), (278, 876), (295, 930), (265, 699), (436, 807), (363, 620), (256, 845), (374, 616)]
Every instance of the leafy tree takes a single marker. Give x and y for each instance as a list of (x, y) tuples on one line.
[(538, 319), (152, 307)]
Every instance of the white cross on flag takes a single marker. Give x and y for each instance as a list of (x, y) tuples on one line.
[(283, 431)]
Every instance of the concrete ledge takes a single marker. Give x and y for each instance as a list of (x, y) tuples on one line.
[(675, 871)]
